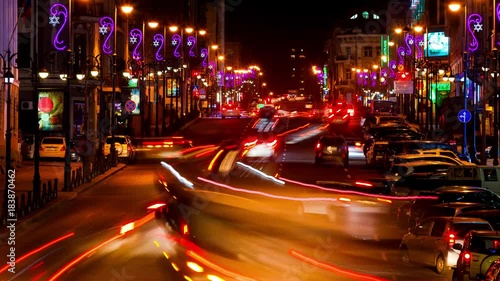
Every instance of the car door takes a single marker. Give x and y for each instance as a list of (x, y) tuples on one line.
[(416, 243), (434, 242)]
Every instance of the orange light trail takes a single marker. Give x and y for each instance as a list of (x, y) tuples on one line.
[(332, 268), (38, 250), (137, 224), (214, 266)]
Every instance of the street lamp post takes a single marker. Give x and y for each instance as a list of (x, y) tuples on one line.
[(8, 80), (495, 107)]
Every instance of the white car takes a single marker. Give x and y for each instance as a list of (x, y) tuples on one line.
[(53, 147), (123, 146)]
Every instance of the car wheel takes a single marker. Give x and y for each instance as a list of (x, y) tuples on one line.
[(405, 255), (317, 160), (440, 266)]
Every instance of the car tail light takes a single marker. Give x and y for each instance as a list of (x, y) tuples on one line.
[(345, 116), (272, 144), (184, 229), (466, 261), (318, 145), (357, 144), (451, 240), (63, 148)]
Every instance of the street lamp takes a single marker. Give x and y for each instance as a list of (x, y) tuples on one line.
[(8, 80)]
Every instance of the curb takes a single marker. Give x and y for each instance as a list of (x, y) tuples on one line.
[(62, 197), (189, 123)]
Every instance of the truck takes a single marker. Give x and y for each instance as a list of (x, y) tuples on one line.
[(480, 176)]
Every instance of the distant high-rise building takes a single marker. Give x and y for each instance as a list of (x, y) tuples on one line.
[(298, 72)]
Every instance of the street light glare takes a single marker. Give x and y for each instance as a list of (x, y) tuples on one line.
[(173, 28), (189, 30), (153, 24), (454, 7), (127, 9), (214, 47), (202, 32)]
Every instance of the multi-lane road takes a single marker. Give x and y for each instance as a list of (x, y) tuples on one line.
[(80, 239)]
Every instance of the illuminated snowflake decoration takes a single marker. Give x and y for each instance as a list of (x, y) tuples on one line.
[(133, 39), (421, 43), (202, 55), (402, 53), (174, 42), (478, 27), (156, 43), (394, 66), (210, 66), (410, 41), (54, 20), (189, 43), (103, 29)]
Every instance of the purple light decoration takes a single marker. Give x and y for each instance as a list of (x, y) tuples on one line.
[(365, 79), (220, 78), (392, 67), (204, 56), (56, 11), (498, 18), (212, 65), (191, 42), (107, 26), (158, 42), (374, 79), (474, 19), (383, 73), (136, 39), (409, 43), (419, 41), (177, 42), (360, 78), (401, 53)]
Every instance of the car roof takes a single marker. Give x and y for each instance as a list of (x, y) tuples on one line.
[(458, 204), (461, 219), (477, 233), (455, 188), (424, 163)]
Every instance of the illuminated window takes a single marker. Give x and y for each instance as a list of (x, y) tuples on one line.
[(366, 15), (302, 56), (293, 50), (355, 16), (293, 69), (301, 50), (376, 17), (301, 82), (292, 56)]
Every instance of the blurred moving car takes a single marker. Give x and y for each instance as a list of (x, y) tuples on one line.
[(433, 241), (478, 252), (230, 110), (123, 146), (267, 112), (53, 147), (337, 115), (264, 148), (331, 148)]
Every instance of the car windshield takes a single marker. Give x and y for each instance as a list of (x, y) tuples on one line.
[(53, 141), (332, 141), (485, 245), (120, 140), (484, 197), (462, 228)]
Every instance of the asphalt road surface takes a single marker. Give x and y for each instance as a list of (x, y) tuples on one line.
[(80, 239)]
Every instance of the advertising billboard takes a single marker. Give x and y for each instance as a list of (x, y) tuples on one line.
[(135, 96), (50, 110), (436, 44)]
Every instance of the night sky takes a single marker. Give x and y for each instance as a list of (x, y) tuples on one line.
[(268, 29)]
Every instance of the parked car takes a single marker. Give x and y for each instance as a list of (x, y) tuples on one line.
[(433, 241), (478, 252), (53, 147), (75, 153), (331, 148), (123, 146)]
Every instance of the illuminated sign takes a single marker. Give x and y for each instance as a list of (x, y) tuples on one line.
[(136, 40), (177, 43), (436, 44), (474, 25), (158, 42), (204, 56), (107, 27), (135, 96), (191, 42), (384, 47), (403, 87), (50, 110)]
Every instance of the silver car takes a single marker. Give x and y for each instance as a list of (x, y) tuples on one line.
[(431, 242)]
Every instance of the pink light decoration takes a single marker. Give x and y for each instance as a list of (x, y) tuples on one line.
[(158, 42), (177, 43), (204, 56), (374, 79), (56, 11), (212, 65), (409, 43), (360, 79), (475, 20), (191, 42), (401, 54), (392, 67), (136, 39), (107, 26)]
